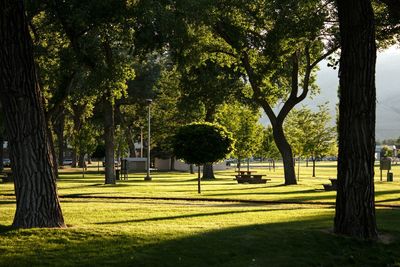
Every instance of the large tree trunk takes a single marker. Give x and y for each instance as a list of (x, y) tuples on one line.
[(191, 169), (109, 141), (59, 131), (198, 180), (81, 161), (286, 152), (26, 127), (355, 207), (53, 156), (74, 158), (313, 167), (1, 152), (172, 165), (208, 172), (78, 110)]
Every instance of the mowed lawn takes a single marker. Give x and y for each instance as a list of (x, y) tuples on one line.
[(166, 223)]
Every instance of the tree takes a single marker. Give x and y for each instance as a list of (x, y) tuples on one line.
[(20, 96), (268, 147), (167, 115), (57, 71), (1, 138), (355, 205), (80, 107), (386, 152), (243, 123), (101, 39), (201, 143), (309, 132), (207, 87), (85, 142), (272, 43)]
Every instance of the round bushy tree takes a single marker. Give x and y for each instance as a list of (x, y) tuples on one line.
[(201, 143)]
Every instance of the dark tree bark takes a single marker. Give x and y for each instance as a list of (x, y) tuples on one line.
[(313, 167), (52, 148), (109, 141), (78, 111), (355, 207), (198, 180), (74, 163), (59, 131), (208, 172), (1, 152), (172, 165), (81, 161), (286, 152), (191, 167), (26, 127)]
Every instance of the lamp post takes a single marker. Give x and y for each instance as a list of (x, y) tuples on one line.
[(148, 178)]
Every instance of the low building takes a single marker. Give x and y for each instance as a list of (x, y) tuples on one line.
[(165, 165)]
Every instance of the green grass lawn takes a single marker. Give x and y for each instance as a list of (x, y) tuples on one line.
[(140, 229)]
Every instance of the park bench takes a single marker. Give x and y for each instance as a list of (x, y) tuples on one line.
[(251, 179), (6, 177), (332, 186)]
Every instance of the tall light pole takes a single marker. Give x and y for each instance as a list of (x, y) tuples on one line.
[(148, 178)]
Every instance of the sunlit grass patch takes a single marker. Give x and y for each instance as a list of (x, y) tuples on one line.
[(128, 224)]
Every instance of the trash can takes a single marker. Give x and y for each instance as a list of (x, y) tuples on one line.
[(118, 171), (390, 176)]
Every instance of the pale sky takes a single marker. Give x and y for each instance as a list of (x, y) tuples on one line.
[(387, 87)]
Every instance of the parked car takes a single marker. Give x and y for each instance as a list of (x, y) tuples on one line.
[(6, 162), (67, 162)]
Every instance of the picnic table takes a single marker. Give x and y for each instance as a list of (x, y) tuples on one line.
[(245, 172), (247, 177), (332, 186)]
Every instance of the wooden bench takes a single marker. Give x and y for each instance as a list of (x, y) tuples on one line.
[(6, 177), (251, 179), (332, 186)]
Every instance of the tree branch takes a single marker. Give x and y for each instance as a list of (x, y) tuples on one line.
[(322, 57), (257, 94)]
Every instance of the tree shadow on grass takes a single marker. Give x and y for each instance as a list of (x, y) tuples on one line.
[(292, 243), (88, 195), (7, 202), (194, 215), (386, 192), (223, 189), (6, 228)]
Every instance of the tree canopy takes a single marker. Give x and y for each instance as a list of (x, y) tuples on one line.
[(201, 143)]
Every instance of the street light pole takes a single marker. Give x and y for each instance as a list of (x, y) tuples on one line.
[(148, 178)]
